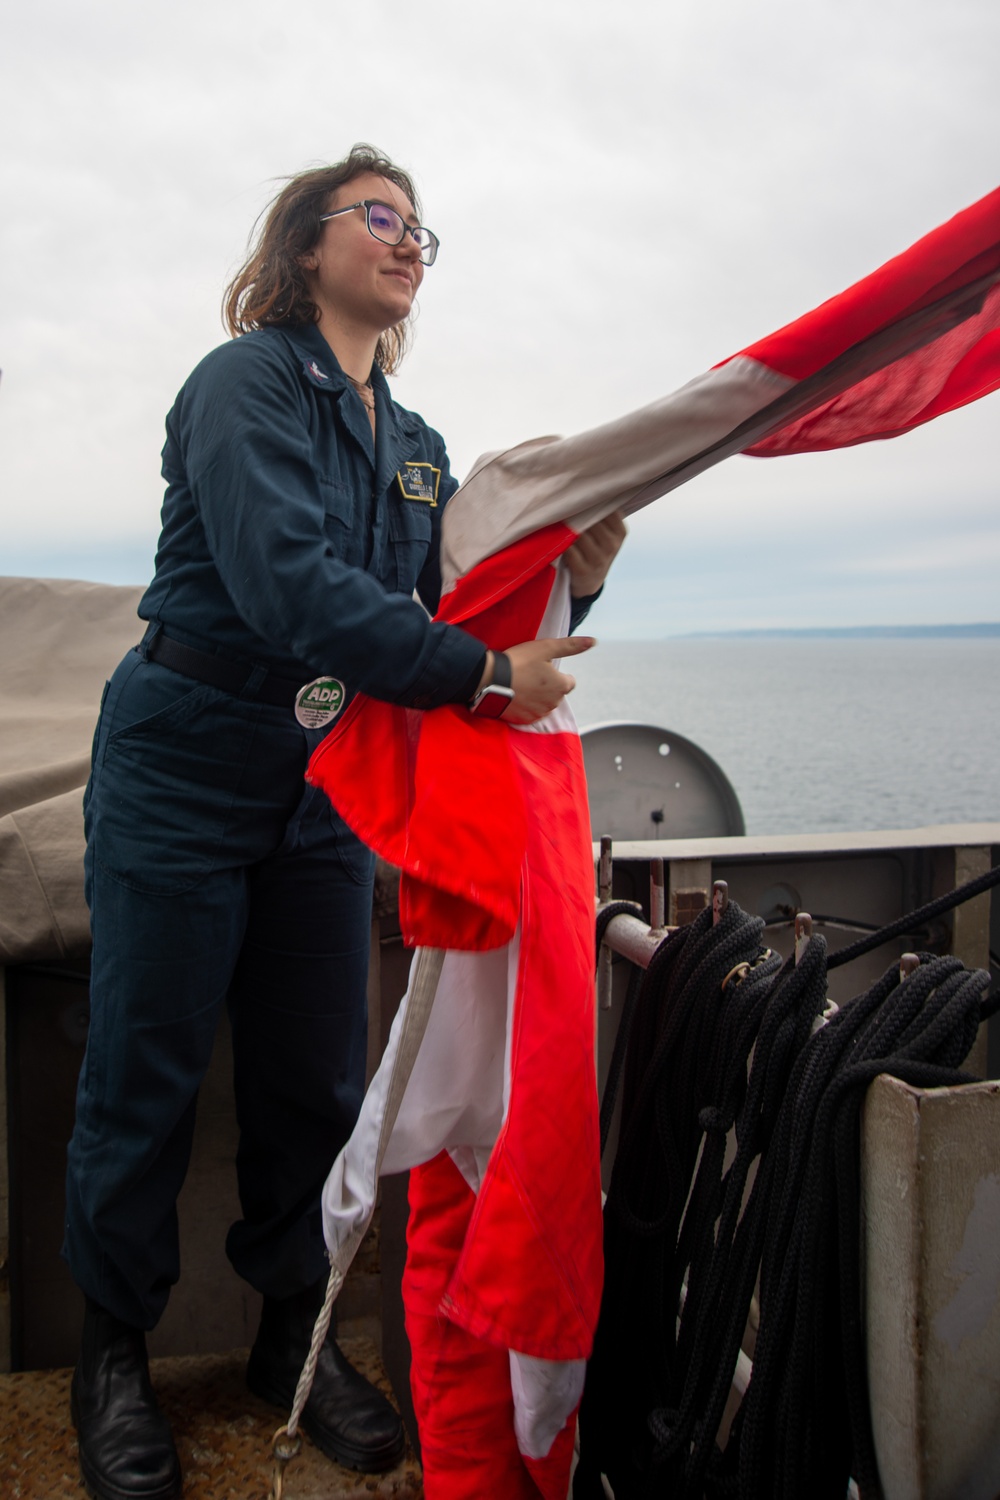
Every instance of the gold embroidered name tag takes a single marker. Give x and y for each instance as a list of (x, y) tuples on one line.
[(419, 481)]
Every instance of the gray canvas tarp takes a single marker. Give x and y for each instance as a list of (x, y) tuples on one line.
[(59, 641)]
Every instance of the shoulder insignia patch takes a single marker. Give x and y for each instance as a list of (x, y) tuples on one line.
[(419, 481)]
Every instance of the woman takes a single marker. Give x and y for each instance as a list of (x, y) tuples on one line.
[(302, 510)]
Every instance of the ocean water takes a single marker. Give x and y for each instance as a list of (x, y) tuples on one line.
[(820, 734)]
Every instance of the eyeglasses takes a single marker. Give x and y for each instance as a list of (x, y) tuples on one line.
[(385, 224)]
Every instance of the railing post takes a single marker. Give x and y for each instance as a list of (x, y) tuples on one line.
[(970, 933), (604, 882)]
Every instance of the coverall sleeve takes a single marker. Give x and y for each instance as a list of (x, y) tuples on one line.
[(243, 431), (580, 609)]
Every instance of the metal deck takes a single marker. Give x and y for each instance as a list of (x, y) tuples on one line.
[(223, 1436)]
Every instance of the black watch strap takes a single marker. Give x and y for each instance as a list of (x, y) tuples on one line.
[(493, 700), (502, 675)]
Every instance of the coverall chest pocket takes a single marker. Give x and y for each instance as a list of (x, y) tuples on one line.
[(410, 530), (343, 522)]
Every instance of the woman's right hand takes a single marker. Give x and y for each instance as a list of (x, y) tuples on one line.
[(538, 685)]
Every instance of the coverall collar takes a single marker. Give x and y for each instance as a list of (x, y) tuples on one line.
[(393, 430)]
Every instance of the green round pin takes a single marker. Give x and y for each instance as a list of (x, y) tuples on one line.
[(319, 702)]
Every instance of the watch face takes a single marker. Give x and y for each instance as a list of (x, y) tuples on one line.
[(492, 702)]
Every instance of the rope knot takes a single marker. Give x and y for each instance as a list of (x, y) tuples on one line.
[(712, 1118), (664, 1426)]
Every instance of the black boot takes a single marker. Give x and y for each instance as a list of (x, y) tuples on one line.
[(346, 1417), (126, 1449)]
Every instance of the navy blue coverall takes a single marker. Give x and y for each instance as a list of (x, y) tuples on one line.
[(291, 545)]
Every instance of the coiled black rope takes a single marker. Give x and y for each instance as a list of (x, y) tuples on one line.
[(720, 1037), (805, 1418), (722, 1265), (689, 1010)]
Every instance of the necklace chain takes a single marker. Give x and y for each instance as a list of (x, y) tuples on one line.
[(364, 390), (367, 397)]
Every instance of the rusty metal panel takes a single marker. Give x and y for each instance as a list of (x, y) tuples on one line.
[(689, 881), (211, 1310), (931, 1206)]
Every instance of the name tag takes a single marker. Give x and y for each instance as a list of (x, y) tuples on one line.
[(419, 481)]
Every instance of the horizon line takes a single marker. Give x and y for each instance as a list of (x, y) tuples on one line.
[(983, 628)]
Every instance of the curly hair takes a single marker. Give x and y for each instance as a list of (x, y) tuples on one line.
[(270, 287)]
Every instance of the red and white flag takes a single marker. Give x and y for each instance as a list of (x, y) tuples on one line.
[(488, 822)]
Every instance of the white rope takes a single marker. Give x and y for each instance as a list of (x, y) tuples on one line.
[(426, 973), (320, 1331)]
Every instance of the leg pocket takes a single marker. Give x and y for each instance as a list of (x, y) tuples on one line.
[(162, 797), (356, 859)]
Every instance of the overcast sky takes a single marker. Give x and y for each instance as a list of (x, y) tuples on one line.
[(625, 194)]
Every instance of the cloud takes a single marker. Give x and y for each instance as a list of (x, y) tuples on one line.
[(938, 556), (624, 196)]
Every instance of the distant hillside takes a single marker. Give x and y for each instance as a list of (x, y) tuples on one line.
[(856, 632)]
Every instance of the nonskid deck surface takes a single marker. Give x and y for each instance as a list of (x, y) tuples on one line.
[(223, 1436)]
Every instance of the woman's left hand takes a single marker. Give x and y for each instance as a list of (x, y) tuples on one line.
[(592, 554)]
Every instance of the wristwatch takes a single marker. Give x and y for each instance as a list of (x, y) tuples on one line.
[(493, 700)]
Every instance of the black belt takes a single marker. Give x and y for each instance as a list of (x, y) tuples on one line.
[(218, 672)]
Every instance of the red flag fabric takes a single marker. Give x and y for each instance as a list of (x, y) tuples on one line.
[(489, 825), (917, 338)]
